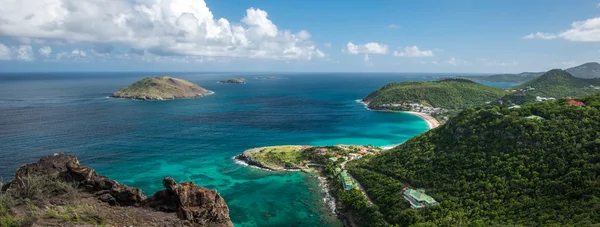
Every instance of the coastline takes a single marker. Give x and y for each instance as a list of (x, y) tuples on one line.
[(329, 200), (431, 121)]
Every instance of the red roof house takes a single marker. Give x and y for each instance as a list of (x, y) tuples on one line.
[(575, 103)]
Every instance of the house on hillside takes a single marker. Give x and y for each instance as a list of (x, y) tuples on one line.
[(575, 103), (535, 117), (347, 182), (418, 199)]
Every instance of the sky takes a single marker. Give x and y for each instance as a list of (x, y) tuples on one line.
[(444, 36)]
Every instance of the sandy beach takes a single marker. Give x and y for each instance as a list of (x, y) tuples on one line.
[(431, 121)]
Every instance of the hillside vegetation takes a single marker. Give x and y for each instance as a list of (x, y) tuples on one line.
[(160, 88), (447, 94), (587, 70), (494, 166), (558, 83), (506, 78)]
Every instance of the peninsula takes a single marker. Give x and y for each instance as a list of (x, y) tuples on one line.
[(233, 81), (329, 162), (161, 88)]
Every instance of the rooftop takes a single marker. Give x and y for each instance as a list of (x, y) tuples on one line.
[(420, 196)]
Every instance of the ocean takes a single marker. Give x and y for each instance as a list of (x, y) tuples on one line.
[(138, 143)]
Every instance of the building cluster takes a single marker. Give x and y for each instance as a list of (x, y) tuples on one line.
[(540, 99), (347, 182), (595, 87), (346, 153), (575, 103), (416, 107), (418, 199)]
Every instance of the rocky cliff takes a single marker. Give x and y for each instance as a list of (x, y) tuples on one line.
[(193, 205)]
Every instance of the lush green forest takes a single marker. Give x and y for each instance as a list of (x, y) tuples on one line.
[(459, 94), (447, 94), (558, 83), (493, 166)]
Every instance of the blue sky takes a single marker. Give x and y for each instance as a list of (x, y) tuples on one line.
[(305, 36)]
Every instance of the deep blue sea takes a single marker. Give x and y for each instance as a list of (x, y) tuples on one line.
[(141, 142)]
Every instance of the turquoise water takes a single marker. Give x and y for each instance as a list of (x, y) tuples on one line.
[(139, 143)]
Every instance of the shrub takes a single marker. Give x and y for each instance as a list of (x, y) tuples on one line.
[(40, 189)]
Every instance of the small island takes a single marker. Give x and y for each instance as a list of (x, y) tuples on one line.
[(233, 81), (265, 77), (161, 88)]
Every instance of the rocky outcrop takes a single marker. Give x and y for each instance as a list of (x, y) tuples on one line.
[(198, 205), (247, 158), (67, 168), (233, 81)]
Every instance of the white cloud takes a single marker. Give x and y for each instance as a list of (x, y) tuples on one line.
[(367, 48), (540, 35), (165, 27), (580, 31), (393, 26), (303, 35), (78, 52), (434, 62), (598, 5), (45, 51), (21, 53), (5, 52), (327, 44), (24, 53), (452, 61), (414, 52)]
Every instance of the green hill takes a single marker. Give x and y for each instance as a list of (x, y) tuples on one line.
[(495, 166), (447, 94), (587, 70), (558, 83), (161, 88), (508, 78)]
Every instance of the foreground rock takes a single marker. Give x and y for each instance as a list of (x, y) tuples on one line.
[(196, 205), (234, 81), (161, 88), (191, 202)]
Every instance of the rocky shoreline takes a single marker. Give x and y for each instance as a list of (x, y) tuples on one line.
[(193, 205), (247, 158), (152, 98), (324, 183)]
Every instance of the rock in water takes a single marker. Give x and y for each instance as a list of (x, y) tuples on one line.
[(193, 203), (234, 81), (161, 88)]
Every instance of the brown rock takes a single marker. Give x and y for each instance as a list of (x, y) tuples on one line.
[(196, 204)]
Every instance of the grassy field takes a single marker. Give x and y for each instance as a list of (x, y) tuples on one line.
[(281, 156)]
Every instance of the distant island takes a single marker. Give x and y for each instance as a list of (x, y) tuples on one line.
[(233, 81), (265, 77), (586, 71), (161, 88)]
